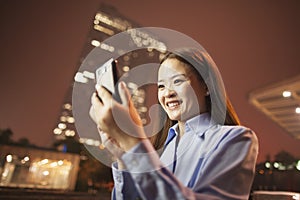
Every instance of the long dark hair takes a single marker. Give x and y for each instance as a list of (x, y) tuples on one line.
[(204, 67)]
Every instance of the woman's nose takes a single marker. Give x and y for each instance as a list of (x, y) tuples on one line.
[(170, 92)]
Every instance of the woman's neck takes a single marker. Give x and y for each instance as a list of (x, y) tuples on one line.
[(181, 128)]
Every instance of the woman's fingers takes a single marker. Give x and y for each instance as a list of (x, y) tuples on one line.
[(111, 144), (104, 94), (124, 93)]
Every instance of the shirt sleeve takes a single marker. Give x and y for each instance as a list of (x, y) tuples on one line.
[(124, 187), (224, 180)]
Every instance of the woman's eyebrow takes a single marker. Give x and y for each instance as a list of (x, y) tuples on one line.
[(172, 77)]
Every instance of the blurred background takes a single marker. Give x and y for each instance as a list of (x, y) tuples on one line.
[(255, 45)]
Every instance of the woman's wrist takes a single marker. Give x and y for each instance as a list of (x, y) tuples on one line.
[(129, 143)]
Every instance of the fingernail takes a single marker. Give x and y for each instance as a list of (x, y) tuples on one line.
[(97, 87), (123, 85)]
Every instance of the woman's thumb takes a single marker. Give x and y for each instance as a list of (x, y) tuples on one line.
[(124, 93)]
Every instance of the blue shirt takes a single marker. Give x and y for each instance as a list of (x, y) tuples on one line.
[(210, 161)]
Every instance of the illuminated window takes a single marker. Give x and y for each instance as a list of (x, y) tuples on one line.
[(286, 93)]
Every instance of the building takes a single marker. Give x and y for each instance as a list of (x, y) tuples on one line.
[(37, 168), (107, 22)]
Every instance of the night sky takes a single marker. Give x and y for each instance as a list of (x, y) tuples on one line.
[(253, 43)]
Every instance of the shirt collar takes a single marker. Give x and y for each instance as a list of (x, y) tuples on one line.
[(197, 125)]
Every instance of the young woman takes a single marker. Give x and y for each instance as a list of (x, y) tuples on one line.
[(207, 154)]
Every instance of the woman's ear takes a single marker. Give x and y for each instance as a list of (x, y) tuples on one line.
[(207, 93)]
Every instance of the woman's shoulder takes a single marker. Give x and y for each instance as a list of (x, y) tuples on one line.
[(235, 128), (222, 136), (233, 131)]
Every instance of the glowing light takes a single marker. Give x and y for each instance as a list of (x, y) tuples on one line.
[(26, 158), (143, 109), (144, 121), (103, 29), (126, 58), (286, 93), (96, 21), (132, 86), (89, 75), (79, 77), (54, 164), (57, 131), (89, 142), (298, 165), (81, 140), (67, 106), (297, 110), (276, 164), (126, 68), (97, 143), (70, 133), (95, 43), (63, 118), (296, 196), (267, 165), (114, 22), (62, 126), (46, 173), (45, 161), (60, 162), (71, 120), (9, 158)]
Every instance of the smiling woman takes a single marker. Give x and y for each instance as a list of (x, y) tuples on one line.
[(206, 155)]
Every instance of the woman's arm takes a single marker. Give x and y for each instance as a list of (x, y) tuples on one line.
[(147, 174), (227, 174)]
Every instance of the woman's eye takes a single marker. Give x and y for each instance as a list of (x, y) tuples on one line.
[(160, 86), (177, 81)]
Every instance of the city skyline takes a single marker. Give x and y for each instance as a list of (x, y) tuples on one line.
[(41, 50)]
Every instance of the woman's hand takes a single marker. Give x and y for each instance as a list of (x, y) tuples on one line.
[(120, 122)]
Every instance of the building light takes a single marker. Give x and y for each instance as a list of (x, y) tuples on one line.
[(71, 120), (89, 75), (79, 77), (297, 110), (268, 165), (62, 126), (9, 158), (46, 173), (89, 142), (298, 165), (70, 133), (43, 162), (63, 118), (96, 21), (103, 29), (68, 106), (60, 162), (53, 164), (26, 158), (276, 164), (296, 196), (286, 93), (95, 43), (57, 131), (126, 68)]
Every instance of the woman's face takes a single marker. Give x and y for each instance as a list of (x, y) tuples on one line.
[(180, 92)]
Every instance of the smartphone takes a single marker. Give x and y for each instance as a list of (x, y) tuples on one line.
[(106, 76)]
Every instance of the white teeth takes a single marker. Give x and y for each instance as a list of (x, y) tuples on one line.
[(173, 104)]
